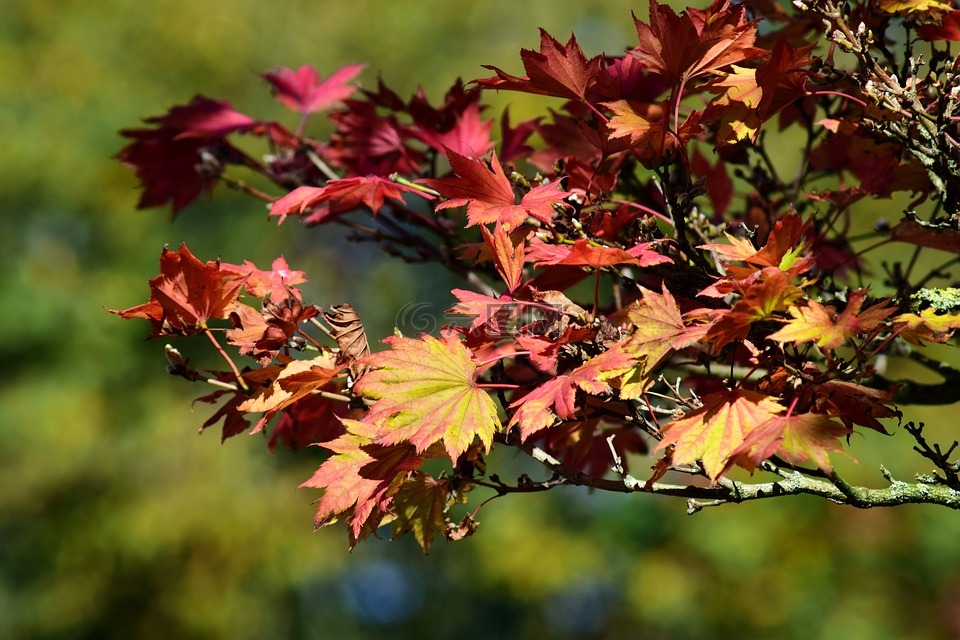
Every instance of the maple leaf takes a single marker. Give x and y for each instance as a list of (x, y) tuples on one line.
[(649, 129), (556, 398), (203, 118), (361, 478), (165, 158), (760, 301), (303, 91), (814, 322), (795, 439), (559, 70), (469, 135), (782, 77), (513, 140), (715, 432), (697, 42), (737, 110), (659, 329), (751, 97), (338, 197), (422, 506), (584, 253), (926, 326), (425, 392), (185, 295), (494, 315), (507, 256), (261, 334), (489, 195), (312, 419), (298, 379), (923, 234), (854, 403), (234, 418), (948, 29), (369, 144), (783, 249), (585, 445), (274, 284)]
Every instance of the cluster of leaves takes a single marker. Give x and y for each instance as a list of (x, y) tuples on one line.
[(638, 233)]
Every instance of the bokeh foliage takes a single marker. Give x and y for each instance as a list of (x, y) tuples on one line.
[(116, 520)]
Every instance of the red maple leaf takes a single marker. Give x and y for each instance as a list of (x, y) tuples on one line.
[(185, 295), (854, 403), (762, 298), (235, 419), (559, 70), (494, 316), (469, 135), (556, 398), (338, 197), (584, 253), (782, 77), (697, 42), (274, 284), (585, 445), (367, 143), (310, 420), (922, 234), (783, 250), (204, 118), (165, 157), (489, 195), (948, 29), (261, 334), (303, 91), (361, 478), (513, 140)]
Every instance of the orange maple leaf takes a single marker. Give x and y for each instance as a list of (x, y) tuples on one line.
[(796, 439), (506, 254), (760, 301), (814, 322), (297, 380), (659, 329), (715, 432)]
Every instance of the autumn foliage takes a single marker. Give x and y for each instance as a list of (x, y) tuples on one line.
[(643, 283)]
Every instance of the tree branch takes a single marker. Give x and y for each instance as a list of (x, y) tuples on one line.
[(791, 483)]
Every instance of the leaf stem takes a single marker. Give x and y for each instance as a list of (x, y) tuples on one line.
[(233, 367)]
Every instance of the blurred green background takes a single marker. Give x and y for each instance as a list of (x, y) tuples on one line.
[(118, 521)]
